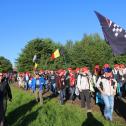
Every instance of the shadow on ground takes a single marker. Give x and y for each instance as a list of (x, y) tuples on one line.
[(91, 121), (19, 117), (120, 107)]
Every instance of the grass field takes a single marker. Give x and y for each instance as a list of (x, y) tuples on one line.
[(24, 111)]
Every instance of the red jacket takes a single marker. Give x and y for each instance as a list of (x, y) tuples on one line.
[(72, 79)]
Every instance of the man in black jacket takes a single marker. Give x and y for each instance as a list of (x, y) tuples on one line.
[(5, 94)]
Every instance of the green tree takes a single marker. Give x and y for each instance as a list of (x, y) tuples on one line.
[(5, 65), (43, 48), (119, 59), (89, 51)]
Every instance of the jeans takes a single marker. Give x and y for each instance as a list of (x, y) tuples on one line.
[(72, 91), (109, 104), (62, 96), (26, 85), (53, 88), (99, 98), (120, 88)]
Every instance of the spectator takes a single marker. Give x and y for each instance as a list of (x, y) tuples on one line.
[(5, 94)]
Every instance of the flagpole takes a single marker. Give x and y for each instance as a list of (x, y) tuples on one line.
[(65, 61), (64, 57), (35, 63)]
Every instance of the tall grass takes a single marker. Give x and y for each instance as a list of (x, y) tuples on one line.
[(24, 111)]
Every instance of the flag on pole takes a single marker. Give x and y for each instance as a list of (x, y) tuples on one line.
[(62, 52), (114, 34), (34, 58), (55, 54)]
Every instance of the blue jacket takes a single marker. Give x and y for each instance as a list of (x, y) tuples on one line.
[(33, 83)]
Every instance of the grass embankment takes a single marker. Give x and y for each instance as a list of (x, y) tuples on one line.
[(24, 111)]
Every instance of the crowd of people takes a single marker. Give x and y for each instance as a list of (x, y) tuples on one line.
[(103, 84)]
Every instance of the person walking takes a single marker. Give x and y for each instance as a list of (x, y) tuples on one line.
[(5, 94), (84, 88), (107, 85), (60, 83), (37, 87)]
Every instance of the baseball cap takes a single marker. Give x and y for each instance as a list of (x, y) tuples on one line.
[(107, 70)]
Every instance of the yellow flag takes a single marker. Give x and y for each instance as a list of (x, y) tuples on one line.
[(55, 54), (36, 65)]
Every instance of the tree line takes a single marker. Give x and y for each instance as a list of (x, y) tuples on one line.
[(5, 65), (88, 51)]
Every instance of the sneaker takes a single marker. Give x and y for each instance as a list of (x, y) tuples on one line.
[(110, 119), (107, 118), (89, 110)]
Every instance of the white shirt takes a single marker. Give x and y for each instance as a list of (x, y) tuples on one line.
[(37, 82), (108, 89), (114, 71), (82, 82)]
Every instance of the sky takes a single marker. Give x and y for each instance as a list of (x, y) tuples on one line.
[(60, 20)]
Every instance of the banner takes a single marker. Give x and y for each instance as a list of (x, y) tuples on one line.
[(114, 34)]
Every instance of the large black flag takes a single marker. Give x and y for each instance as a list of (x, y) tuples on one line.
[(114, 34)]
